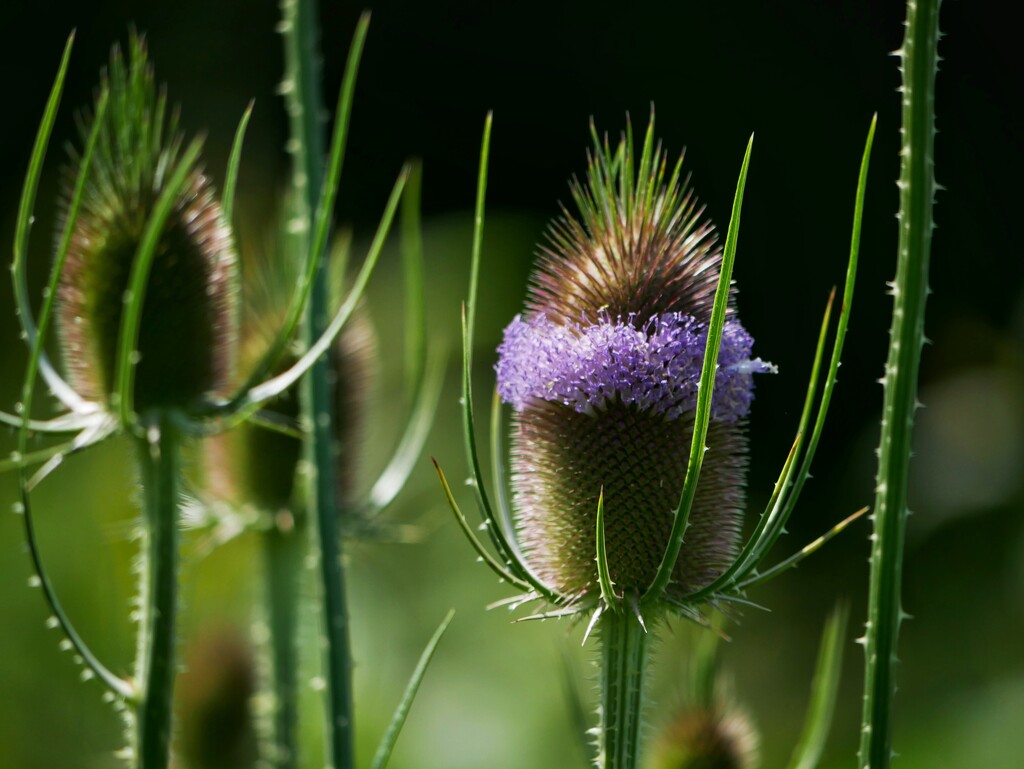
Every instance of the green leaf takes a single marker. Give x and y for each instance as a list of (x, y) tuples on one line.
[(414, 283), (824, 688), (387, 743), (128, 336), (603, 575), (260, 394), (837, 348), (227, 202), (518, 564), (747, 559), (64, 392), (704, 392), (523, 576), (397, 472), (805, 551), (483, 552)]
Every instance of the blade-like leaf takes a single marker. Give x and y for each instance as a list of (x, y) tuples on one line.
[(117, 685), (603, 574), (227, 202), (387, 743), (518, 563), (494, 528), (64, 392), (704, 392), (482, 551), (837, 348), (394, 476), (745, 562), (128, 336), (824, 689), (805, 551), (65, 423), (414, 284), (260, 394)]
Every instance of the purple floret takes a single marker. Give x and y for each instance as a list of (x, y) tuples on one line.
[(655, 365)]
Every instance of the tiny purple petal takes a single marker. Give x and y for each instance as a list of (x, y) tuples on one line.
[(656, 365)]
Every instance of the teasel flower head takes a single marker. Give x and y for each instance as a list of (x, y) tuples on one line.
[(602, 373), (188, 326), (630, 378)]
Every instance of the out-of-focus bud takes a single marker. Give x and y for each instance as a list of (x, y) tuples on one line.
[(188, 328)]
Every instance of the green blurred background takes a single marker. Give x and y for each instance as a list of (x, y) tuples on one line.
[(806, 77)]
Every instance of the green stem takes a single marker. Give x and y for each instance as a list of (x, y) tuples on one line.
[(910, 289), (283, 552), (305, 106), (624, 651), (159, 459)]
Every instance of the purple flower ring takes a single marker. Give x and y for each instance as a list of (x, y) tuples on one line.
[(655, 365)]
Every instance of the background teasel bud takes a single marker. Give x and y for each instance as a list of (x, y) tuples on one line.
[(188, 324), (602, 372), (215, 696), (255, 463), (708, 729), (706, 738)]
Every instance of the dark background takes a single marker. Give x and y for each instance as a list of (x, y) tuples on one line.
[(805, 77)]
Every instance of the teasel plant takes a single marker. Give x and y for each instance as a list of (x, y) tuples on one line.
[(919, 60), (144, 283), (324, 507), (254, 473), (630, 328)]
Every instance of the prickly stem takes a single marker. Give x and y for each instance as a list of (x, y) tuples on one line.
[(160, 463), (283, 550), (302, 91), (625, 646), (919, 60)]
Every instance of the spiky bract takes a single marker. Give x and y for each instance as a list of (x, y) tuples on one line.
[(602, 372), (189, 319)]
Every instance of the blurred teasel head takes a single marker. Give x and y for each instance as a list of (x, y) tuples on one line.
[(186, 334), (216, 694), (708, 729), (257, 461), (602, 372), (706, 738)]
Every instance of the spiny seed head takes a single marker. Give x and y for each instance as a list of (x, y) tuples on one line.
[(706, 739), (256, 464), (188, 323), (216, 694), (602, 372)]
